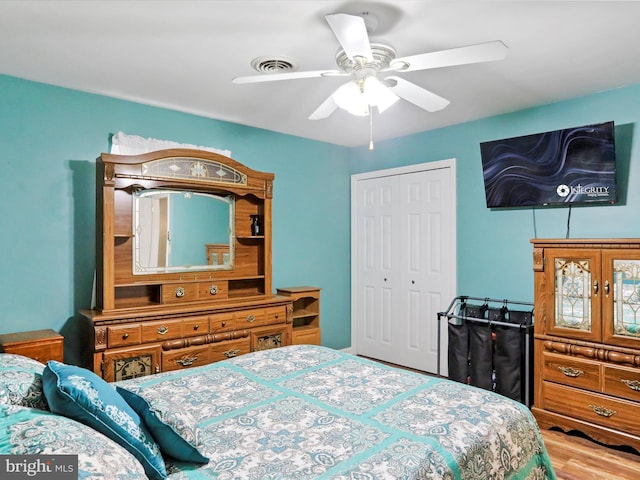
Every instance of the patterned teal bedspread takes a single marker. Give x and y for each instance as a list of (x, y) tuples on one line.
[(306, 412)]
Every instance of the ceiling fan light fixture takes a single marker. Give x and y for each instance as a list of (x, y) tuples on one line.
[(378, 95), (350, 98), (357, 96)]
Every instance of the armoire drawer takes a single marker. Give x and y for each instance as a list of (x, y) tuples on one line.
[(185, 358), (623, 382), (571, 371), (592, 407), (230, 349)]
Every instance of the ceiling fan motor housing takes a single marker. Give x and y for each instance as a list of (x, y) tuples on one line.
[(360, 68)]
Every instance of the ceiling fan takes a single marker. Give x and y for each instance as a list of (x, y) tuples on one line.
[(364, 61)]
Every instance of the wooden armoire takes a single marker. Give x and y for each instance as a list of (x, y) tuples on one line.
[(587, 337)]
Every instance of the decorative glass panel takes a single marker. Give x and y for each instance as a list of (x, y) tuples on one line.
[(573, 293), (194, 169), (626, 297), (267, 342), (133, 367)]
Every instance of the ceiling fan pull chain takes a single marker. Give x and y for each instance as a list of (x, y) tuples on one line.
[(370, 128)]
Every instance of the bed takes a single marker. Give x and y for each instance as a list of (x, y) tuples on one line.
[(297, 412)]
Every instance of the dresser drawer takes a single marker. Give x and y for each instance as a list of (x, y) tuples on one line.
[(275, 315), (571, 371), (224, 350), (250, 318), (41, 345), (123, 335), (221, 322), (42, 352), (592, 407), (213, 290), (161, 330), (179, 292), (198, 325), (623, 382), (185, 358)]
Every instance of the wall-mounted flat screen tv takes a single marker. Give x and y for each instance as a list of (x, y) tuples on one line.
[(573, 166)]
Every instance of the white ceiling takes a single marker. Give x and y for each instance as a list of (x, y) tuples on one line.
[(183, 55)]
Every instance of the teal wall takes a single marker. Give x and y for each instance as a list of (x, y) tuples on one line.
[(50, 137), (49, 140), (493, 246)]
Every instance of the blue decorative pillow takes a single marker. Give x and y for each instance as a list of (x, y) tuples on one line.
[(21, 381), (80, 394), (28, 431), (175, 429)]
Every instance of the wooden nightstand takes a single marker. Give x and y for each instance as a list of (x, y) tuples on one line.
[(41, 345)]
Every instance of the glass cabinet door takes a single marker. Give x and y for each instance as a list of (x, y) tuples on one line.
[(621, 304), (573, 280)]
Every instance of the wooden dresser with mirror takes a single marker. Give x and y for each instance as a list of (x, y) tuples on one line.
[(587, 337), (181, 281)]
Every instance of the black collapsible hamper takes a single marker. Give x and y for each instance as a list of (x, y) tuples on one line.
[(490, 345)]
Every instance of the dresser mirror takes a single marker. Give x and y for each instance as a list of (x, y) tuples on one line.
[(182, 231)]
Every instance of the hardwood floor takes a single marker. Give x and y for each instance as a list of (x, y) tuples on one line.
[(577, 458)]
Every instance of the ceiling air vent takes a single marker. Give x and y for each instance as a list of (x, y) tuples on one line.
[(274, 64)]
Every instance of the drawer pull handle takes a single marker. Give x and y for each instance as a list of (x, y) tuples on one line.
[(179, 292), (571, 372), (632, 384), (224, 324), (251, 318), (162, 330), (213, 289), (187, 361), (125, 336), (196, 326), (231, 353), (602, 411)]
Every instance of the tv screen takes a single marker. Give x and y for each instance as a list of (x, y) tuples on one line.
[(573, 166)]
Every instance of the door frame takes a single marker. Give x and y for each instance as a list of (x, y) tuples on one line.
[(419, 167)]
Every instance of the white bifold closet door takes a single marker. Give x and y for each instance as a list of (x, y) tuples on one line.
[(403, 254)]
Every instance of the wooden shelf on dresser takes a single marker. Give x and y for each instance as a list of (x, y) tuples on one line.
[(587, 337), (305, 317)]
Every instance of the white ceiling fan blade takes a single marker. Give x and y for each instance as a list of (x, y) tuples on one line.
[(351, 32), (272, 77), (482, 52), (411, 92), (325, 109)]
